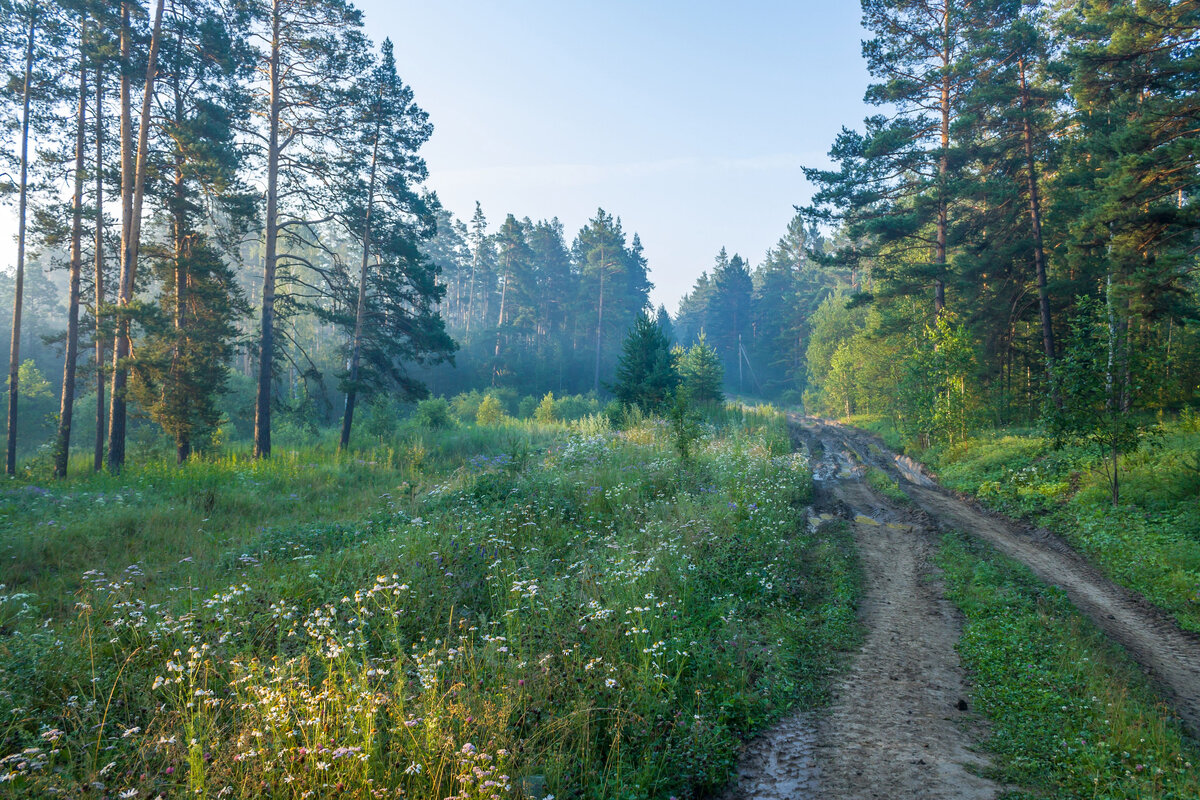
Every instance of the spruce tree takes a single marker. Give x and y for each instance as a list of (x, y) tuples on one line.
[(646, 374)]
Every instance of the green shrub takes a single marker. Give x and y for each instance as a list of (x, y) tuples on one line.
[(433, 414), (490, 412), (544, 413)]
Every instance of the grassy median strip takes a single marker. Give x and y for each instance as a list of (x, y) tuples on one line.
[(1071, 715)]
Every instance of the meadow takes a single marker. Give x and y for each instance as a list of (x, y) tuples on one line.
[(463, 610)]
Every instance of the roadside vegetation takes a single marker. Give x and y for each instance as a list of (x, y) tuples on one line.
[(1150, 543), (472, 610), (1070, 714)]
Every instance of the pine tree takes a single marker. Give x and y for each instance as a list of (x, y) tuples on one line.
[(27, 26), (897, 182), (313, 50), (646, 374), (62, 442), (134, 167), (393, 128), (515, 271), (181, 366)]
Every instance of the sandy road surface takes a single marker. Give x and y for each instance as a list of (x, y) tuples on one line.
[(899, 725)]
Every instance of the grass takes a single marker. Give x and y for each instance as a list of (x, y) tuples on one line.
[(472, 612), (886, 485), (1150, 543), (1070, 714)]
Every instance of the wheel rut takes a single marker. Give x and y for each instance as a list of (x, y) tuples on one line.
[(1169, 655), (898, 724)]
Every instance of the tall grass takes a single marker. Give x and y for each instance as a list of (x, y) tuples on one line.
[(474, 612)]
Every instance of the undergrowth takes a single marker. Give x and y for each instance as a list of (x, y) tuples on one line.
[(1150, 543), (1070, 714), (469, 613)]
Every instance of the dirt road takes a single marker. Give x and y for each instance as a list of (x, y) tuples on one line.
[(899, 724)]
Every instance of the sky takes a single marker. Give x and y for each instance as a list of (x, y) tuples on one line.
[(688, 120)]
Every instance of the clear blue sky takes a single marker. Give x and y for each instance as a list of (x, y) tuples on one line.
[(689, 120)]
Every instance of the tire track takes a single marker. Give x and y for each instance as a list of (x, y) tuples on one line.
[(1169, 655)]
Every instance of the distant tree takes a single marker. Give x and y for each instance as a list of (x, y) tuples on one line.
[(729, 316), (515, 271), (614, 286), (481, 265), (700, 373), (663, 318), (646, 373)]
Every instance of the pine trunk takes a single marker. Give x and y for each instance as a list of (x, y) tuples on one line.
[(98, 455), (361, 310), (599, 326), (14, 359), (1035, 222), (262, 402), (181, 252), (939, 283), (62, 445), (129, 246)]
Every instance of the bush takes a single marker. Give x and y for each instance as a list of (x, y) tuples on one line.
[(490, 412), (576, 406), (527, 407), (544, 413), (434, 414)]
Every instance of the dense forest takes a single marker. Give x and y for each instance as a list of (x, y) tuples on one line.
[(199, 183)]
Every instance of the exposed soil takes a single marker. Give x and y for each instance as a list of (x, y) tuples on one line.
[(899, 724)]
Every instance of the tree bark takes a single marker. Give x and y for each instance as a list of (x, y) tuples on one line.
[(62, 445), (98, 455), (599, 324), (182, 252), (262, 401), (500, 322), (360, 311), (1035, 221), (939, 283), (129, 246), (14, 360)]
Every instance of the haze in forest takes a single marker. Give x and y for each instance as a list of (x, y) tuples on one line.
[(690, 121)]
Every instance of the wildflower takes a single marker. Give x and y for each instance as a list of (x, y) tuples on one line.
[(125, 794), (413, 768)]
